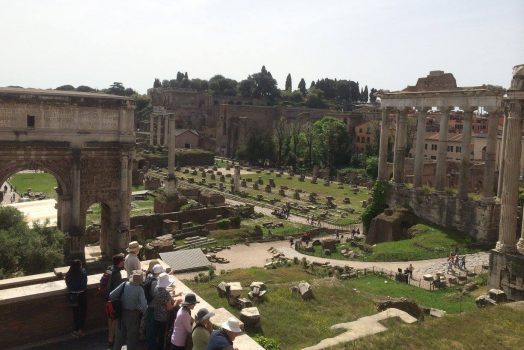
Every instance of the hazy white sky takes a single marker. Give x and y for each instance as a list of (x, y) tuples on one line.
[(381, 43)]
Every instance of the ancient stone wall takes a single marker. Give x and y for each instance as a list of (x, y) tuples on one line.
[(29, 319), (477, 219), (152, 224)]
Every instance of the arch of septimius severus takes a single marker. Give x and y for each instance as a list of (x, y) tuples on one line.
[(493, 218), (86, 141)]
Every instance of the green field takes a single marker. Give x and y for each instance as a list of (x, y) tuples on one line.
[(339, 215), (428, 243), (298, 323), (37, 182)]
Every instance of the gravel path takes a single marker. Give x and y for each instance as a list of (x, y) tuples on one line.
[(257, 254)]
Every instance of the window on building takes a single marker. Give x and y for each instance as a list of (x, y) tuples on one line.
[(30, 121), (358, 139), (187, 145), (360, 130), (458, 149), (450, 148), (425, 146), (433, 147), (368, 140), (433, 157)]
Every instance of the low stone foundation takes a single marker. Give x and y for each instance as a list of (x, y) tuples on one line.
[(507, 273), (478, 219)]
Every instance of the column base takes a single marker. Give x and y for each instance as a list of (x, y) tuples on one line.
[(506, 272), (520, 246), (505, 248)]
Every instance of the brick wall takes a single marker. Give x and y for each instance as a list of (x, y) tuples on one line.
[(152, 224)]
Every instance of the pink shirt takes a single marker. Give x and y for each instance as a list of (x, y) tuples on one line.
[(181, 328)]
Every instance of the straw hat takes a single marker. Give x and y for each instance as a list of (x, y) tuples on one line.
[(232, 325), (151, 264), (137, 277), (165, 280), (133, 247)]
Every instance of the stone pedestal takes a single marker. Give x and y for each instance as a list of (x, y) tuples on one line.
[(507, 273)]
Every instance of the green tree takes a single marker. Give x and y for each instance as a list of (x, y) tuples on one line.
[(157, 83), (371, 167), (289, 86), (25, 250), (302, 86), (377, 203), (373, 95), (66, 88), (116, 89), (85, 88), (331, 142), (246, 88), (259, 148), (365, 95), (265, 85), (223, 86), (315, 99)]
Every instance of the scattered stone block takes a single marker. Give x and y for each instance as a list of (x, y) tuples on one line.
[(305, 290), (268, 189), (250, 316), (498, 295)]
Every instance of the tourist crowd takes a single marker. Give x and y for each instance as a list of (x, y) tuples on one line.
[(147, 308)]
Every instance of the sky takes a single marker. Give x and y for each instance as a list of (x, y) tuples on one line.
[(385, 44)]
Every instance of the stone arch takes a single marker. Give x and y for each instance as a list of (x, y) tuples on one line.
[(59, 170)]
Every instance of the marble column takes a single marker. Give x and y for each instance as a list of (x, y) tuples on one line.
[(159, 130), (166, 131), (400, 147), (510, 185), (501, 154), (488, 182), (383, 150), (151, 130), (75, 195), (442, 150), (122, 233), (171, 180), (236, 179), (419, 148), (465, 164)]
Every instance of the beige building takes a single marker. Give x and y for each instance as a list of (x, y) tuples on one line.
[(186, 138)]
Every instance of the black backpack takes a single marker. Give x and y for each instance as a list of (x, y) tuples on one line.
[(147, 288)]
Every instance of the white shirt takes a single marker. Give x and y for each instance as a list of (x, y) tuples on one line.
[(131, 263)]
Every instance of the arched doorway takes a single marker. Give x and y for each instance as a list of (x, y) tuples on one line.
[(98, 220), (34, 193)]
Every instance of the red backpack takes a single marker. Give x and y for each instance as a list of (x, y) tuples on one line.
[(105, 282)]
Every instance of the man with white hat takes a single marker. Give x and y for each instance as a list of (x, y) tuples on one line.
[(223, 339), (132, 262)]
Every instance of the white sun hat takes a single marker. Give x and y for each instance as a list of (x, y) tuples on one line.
[(165, 280), (233, 325)]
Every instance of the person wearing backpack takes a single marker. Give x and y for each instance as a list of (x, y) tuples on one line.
[(148, 321), (111, 279), (132, 301)]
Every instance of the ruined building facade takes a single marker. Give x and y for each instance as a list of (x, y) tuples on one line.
[(225, 123)]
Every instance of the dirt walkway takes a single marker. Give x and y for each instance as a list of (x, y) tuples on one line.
[(256, 255)]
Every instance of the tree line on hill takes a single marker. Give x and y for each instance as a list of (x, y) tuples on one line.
[(324, 93)]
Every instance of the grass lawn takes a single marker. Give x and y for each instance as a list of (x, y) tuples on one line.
[(37, 182), (428, 243), (498, 328), (296, 323)]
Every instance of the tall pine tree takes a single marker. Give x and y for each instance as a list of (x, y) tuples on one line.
[(302, 86), (289, 86)]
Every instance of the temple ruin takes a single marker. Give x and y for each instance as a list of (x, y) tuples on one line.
[(492, 218)]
